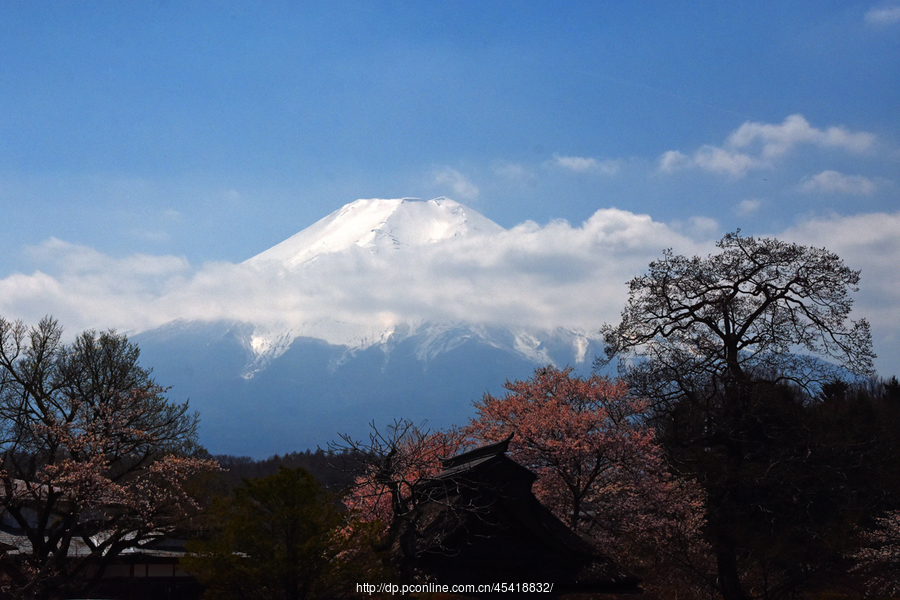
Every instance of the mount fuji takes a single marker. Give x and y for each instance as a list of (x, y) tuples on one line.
[(287, 378)]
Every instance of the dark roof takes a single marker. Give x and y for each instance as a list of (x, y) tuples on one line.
[(488, 451), (479, 522)]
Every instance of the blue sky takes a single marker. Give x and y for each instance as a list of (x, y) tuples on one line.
[(179, 135)]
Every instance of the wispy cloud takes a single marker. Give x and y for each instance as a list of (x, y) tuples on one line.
[(515, 172), (833, 182), (582, 164), (457, 183), (883, 15), (758, 145), (709, 158), (748, 207)]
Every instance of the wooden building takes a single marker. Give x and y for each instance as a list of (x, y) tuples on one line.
[(479, 522)]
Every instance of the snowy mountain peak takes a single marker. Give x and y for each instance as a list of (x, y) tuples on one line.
[(379, 224)]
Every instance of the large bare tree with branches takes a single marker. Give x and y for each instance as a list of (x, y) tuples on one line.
[(708, 340), (758, 308)]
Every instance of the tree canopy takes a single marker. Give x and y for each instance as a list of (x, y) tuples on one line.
[(395, 462), (599, 469), (749, 311)]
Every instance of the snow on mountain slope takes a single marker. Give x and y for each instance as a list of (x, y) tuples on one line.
[(379, 225), (266, 343), (373, 226)]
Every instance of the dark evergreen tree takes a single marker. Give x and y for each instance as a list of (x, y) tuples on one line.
[(280, 538)]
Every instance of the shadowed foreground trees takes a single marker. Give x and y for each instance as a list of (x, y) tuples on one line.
[(709, 341), (280, 538), (878, 559), (599, 470), (93, 456)]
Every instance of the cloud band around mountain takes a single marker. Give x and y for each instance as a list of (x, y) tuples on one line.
[(533, 276)]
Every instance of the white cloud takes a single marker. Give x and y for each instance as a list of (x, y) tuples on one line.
[(720, 160), (884, 15), (757, 145), (76, 259), (748, 207), (673, 160), (709, 158), (85, 288), (775, 140), (868, 242), (703, 226), (530, 275), (580, 164), (830, 182), (458, 184)]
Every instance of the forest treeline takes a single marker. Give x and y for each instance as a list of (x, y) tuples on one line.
[(337, 469), (333, 470)]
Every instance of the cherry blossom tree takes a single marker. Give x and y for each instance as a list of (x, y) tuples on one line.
[(878, 560), (395, 462), (92, 455), (599, 468)]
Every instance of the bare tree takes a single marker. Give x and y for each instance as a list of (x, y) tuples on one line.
[(748, 311), (701, 335)]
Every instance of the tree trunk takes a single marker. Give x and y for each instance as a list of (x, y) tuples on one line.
[(726, 561), (721, 514)]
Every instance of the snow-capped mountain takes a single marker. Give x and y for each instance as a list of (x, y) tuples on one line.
[(378, 225), (371, 227), (285, 379)]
